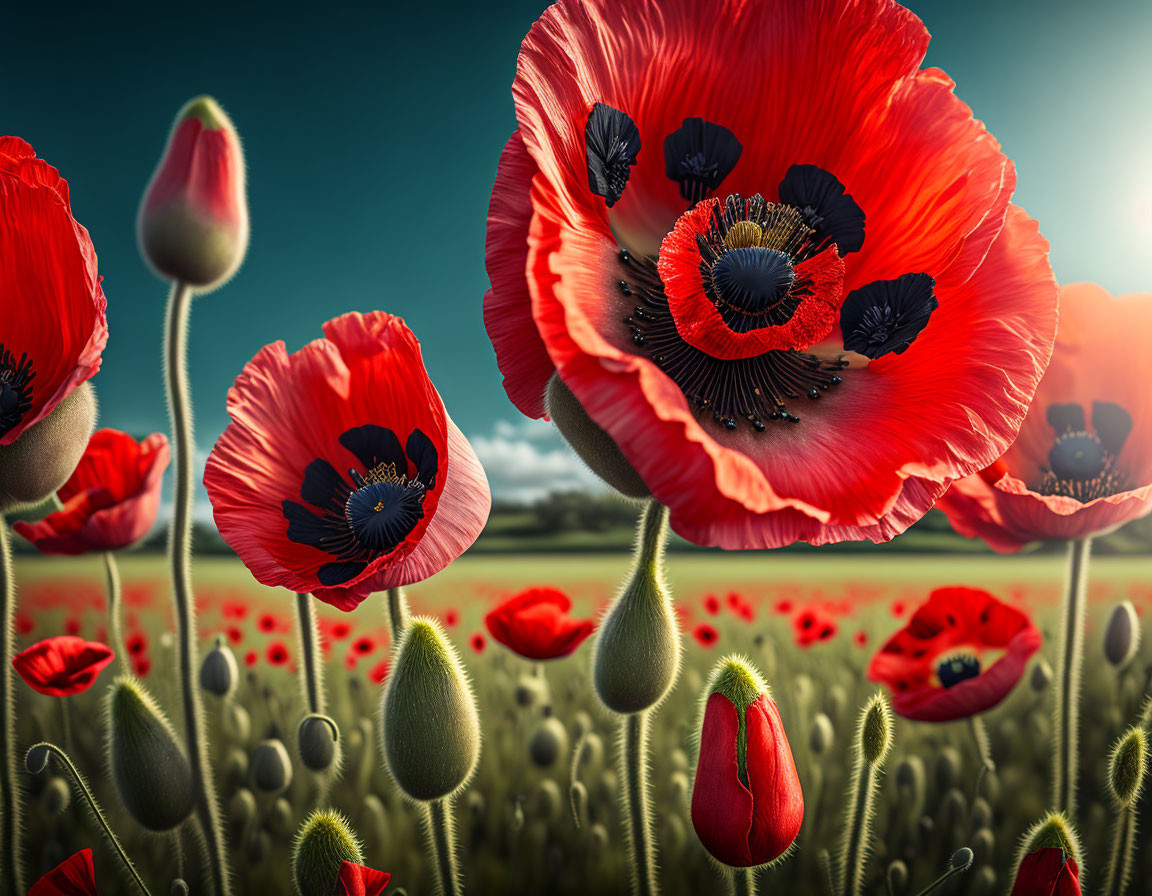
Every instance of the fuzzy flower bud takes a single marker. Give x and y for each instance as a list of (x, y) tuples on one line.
[(876, 730), (549, 740), (218, 671), (1121, 635), (270, 768), (318, 740), (1127, 765), (323, 843)]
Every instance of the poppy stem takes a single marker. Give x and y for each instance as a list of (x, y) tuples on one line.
[(115, 625), (1120, 857), (180, 556), (43, 749), (1066, 716), (941, 879), (311, 673), (440, 827), (744, 882), (10, 826), (983, 750), (397, 613), (638, 812), (66, 722)]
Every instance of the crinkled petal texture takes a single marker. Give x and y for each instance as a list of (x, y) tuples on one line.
[(954, 618), (63, 665), (1047, 872), (291, 417), (746, 824), (1090, 364), (75, 876), (54, 307), (359, 880), (535, 624), (838, 85), (110, 501)]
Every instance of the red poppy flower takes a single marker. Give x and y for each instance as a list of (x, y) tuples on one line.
[(478, 642), (451, 618), (705, 634), (747, 809), (141, 665), (712, 604), (267, 623), (341, 630), (75, 876), (783, 607), (341, 473), (54, 324), (357, 880), (110, 501), (737, 277), (813, 625), (363, 645), (251, 658), (1048, 871), (277, 654), (959, 654), (63, 665), (24, 624), (860, 639), (72, 626), (379, 672), (898, 608), (535, 624), (136, 643), (235, 634), (1083, 462)]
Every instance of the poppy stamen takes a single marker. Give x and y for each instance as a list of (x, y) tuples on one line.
[(15, 388), (1082, 464), (957, 667)]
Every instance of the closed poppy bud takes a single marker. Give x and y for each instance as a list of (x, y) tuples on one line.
[(1051, 835), (193, 220), (152, 775), (1048, 871), (270, 768), (324, 841), (218, 671), (1122, 635), (318, 740), (747, 806), (1126, 766)]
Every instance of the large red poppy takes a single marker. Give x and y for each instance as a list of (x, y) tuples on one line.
[(110, 501), (960, 653), (63, 665), (54, 327), (1048, 871), (800, 302), (341, 474), (75, 876), (535, 624), (1083, 462)]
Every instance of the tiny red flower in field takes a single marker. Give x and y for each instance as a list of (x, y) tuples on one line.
[(536, 624), (1083, 463), (898, 608), (860, 639), (379, 490), (277, 654), (363, 645), (747, 612), (75, 876), (734, 600), (812, 625), (62, 666), (451, 618), (747, 805), (357, 880), (54, 325), (110, 501), (477, 642), (1048, 871), (235, 634), (960, 653), (705, 634), (24, 624), (711, 604), (234, 609), (72, 626), (340, 630), (782, 607), (379, 672), (136, 643), (141, 665), (251, 658), (267, 623)]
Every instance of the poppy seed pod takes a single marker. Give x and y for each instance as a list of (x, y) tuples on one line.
[(1122, 635), (152, 775), (318, 740), (747, 806), (637, 647), (431, 728), (549, 741), (38, 463), (219, 672), (193, 220), (1127, 765), (876, 731), (325, 840), (270, 768)]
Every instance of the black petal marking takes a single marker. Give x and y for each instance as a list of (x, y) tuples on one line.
[(423, 454), (887, 315), (1066, 418), (338, 573), (15, 388), (375, 445), (611, 142), (831, 212), (1112, 424), (699, 155), (1082, 464)]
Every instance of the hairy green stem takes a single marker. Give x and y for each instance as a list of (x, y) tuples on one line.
[(744, 882), (397, 614), (82, 786), (854, 852), (1120, 857), (10, 827), (180, 555), (440, 828), (66, 722), (638, 813), (311, 672), (1066, 716), (115, 623)]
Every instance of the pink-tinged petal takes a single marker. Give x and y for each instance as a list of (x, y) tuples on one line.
[(721, 805), (360, 880), (75, 876)]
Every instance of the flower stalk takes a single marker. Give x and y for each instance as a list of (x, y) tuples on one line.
[(397, 613), (115, 623), (441, 834), (10, 826), (873, 741), (1066, 713)]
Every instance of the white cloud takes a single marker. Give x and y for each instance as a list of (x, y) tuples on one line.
[(528, 459)]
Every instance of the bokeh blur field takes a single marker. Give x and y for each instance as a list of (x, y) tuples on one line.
[(515, 823)]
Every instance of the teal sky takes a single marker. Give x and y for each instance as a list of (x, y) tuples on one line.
[(372, 135)]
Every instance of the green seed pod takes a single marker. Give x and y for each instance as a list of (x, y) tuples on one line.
[(238, 723), (947, 768), (980, 815), (1122, 635), (1041, 677), (581, 724), (679, 759), (56, 796), (873, 742), (802, 691), (323, 843), (595, 447), (548, 800), (257, 847), (1126, 766), (35, 466), (821, 735), (876, 730), (548, 743), (281, 821), (597, 839), (530, 691), (270, 769), (431, 727), (219, 672), (236, 768), (953, 810), (318, 740), (681, 788), (152, 775), (836, 701), (962, 858), (241, 810), (636, 655), (897, 878)]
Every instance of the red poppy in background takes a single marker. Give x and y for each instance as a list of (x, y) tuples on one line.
[(860, 639), (75, 876), (277, 654), (251, 658), (738, 277), (63, 665), (812, 625), (54, 325), (1048, 871), (535, 624), (141, 665), (110, 501), (478, 642), (960, 653), (711, 604), (136, 643), (451, 618), (1083, 462), (341, 474), (357, 880), (705, 634), (379, 672), (363, 645)]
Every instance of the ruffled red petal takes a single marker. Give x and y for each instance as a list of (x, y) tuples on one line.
[(75, 876), (778, 802), (63, 665), (359, 880), (535, 624)]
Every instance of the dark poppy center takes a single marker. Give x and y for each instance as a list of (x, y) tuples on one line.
[(382, 514), (753, 280), (15, 388), (956, 669), (1077, 455), (1082, 461)]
